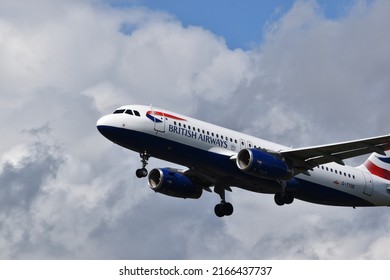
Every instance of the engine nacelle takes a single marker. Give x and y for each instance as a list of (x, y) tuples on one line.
[(262, 164), (172, 183)]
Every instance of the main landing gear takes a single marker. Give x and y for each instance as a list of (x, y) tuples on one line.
[(283, 198), (143, 172), (224, 208)]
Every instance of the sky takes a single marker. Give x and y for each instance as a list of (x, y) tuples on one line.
[(299, 73), (240, 23)]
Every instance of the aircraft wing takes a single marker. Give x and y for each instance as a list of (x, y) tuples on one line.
[(307, 158)]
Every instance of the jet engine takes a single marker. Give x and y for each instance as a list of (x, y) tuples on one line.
[(172, 183), (262, 164)]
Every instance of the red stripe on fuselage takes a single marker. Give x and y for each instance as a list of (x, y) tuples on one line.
[(162, 114), (378, 171)]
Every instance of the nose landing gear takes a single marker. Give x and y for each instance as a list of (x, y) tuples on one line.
[(143, 172)]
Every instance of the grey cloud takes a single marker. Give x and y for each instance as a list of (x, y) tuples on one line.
[(21, 184), (44, 129)]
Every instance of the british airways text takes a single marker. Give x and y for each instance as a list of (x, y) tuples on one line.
[(199, 136)]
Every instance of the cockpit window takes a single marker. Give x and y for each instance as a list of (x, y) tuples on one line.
[(120, 111), (128, 111)]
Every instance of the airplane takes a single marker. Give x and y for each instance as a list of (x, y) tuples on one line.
[(220, 158)]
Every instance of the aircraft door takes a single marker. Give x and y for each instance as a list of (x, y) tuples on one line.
[(159, 121), (369, 183)]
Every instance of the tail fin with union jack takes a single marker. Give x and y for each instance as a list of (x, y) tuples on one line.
[(379, 165)]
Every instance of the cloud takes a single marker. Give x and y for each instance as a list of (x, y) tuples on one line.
[(21, 181), (331, 65), (66, 192)]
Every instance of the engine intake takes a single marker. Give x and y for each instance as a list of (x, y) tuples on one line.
[(172, 183), (262, 164)]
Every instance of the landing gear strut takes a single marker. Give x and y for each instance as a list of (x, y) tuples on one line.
[(143, 172), (224, 208)]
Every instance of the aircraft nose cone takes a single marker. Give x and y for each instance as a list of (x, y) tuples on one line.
[(102, 129), (102, 121), (111, 128), (104, 125)]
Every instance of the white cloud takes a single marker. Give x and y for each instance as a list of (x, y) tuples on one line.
[(65, 63), (337, 67), (378, 249)]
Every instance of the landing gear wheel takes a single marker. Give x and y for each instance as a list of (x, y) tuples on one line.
[(141, 173), (279, 199), (228, 208), (223, 209), (218, 210), (288, 198), (283, 198)]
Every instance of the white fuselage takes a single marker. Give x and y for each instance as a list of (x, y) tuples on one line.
[(210, 150)]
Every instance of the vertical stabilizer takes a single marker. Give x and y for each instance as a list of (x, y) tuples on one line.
[(378, 165)]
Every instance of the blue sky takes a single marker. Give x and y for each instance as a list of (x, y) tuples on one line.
[(240, 22)]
